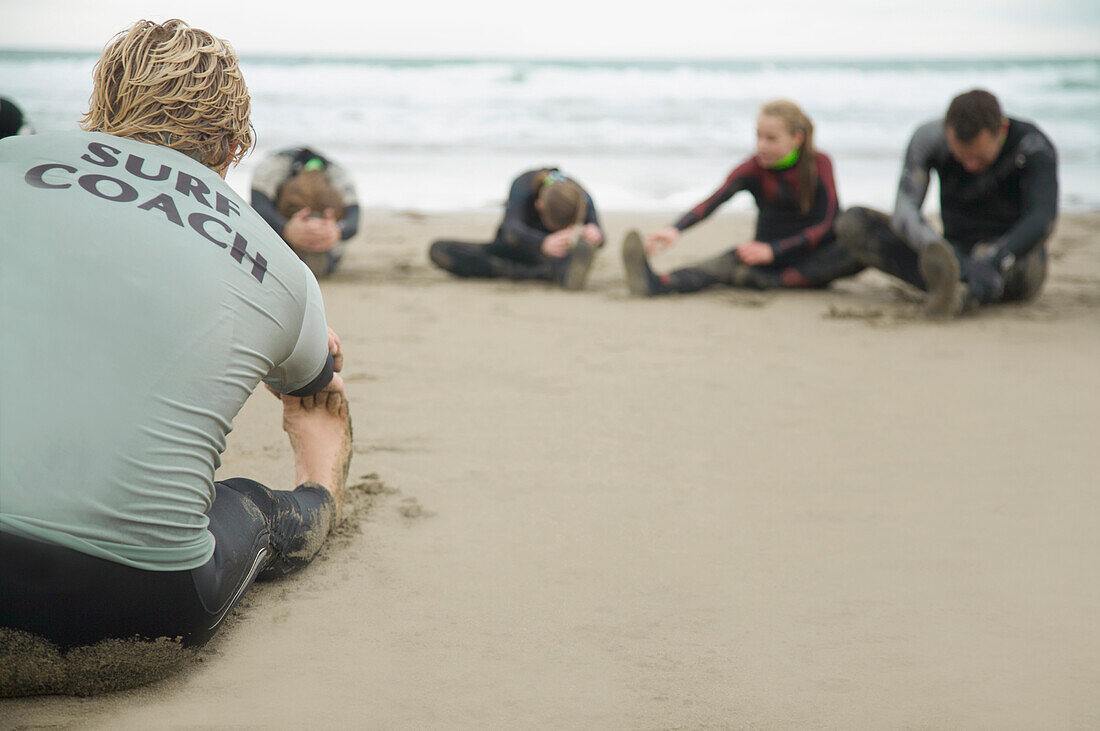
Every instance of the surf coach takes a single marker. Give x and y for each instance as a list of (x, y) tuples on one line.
[(141, 303)]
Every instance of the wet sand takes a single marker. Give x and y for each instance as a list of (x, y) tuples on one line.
[(731, 509)]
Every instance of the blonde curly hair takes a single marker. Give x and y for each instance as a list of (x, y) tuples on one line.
[(173, 85)]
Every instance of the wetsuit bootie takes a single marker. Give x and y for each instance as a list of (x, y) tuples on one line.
[(640, 279), (947, 296), (575, 272)]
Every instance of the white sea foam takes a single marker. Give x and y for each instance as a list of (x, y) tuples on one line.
[(450, 134)]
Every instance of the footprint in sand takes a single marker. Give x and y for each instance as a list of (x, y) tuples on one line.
[(854, 313), (412, 509), (372, 484)]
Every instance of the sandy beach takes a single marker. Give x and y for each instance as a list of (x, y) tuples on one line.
[(727, 510)]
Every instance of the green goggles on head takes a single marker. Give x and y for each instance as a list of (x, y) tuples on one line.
[(552, 177), (314, 163)]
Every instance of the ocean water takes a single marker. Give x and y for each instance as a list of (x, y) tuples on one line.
[(450, 134)]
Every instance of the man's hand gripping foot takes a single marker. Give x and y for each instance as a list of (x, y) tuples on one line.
[(319, 428)]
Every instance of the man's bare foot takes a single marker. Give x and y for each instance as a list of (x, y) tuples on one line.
[(319, 428)]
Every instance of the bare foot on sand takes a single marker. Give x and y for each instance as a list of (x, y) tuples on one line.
[(319, 428)]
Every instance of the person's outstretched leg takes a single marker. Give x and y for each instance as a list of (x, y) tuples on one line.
[(486, 261), (821, 266), (726, 268), (519, 264), (462, 259), (264, 533)]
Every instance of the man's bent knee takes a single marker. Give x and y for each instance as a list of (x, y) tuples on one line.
[(854, 224), (858, 230)]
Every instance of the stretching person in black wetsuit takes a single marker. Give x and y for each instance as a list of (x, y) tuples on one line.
[(999, 200), (550, 231), (309, 201), (794, 244)]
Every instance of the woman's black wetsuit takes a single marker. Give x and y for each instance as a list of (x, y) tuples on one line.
[(806, 253)]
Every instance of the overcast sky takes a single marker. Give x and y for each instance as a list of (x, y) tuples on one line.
[(584, 28)]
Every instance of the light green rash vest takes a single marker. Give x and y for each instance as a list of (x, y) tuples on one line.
[(141, 302)]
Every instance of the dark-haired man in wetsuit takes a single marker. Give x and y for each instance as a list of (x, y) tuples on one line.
[(141, 303), (999, 200), (318, 237)]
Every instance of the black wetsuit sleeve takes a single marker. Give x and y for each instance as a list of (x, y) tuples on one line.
[(913, 186), (319, 383), (268, 178), (590, 215), (514, 230), (266, 208), (809, 237), (349, 224), (1039, 189), (341, 180), (736, 181)]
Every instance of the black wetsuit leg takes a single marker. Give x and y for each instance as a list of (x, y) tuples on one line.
[(297, 521), (867, 235), (1024, 280), (488, 261), (815, 270), (72, 598), (725, 268), (820, 266)]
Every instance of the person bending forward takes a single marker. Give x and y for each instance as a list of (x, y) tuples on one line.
[(550, 232), (309, 201)]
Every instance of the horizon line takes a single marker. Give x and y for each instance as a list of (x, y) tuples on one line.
[(635, 60)]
